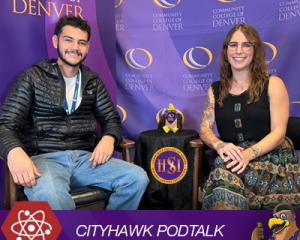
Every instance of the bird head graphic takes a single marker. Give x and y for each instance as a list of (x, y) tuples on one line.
[(283, 221)]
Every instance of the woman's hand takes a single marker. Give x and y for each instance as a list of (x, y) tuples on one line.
[(229, 151), (240, 166)]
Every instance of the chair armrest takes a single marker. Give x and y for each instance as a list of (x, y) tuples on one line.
[(127, 143), (10, 189), (197, 144), (293, 131), (126, 146)]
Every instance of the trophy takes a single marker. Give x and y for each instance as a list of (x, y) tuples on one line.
[(169, 119)]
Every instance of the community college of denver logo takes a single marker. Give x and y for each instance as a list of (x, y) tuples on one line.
[(138, 58), (273, 49), (190, 61), (167, 3)]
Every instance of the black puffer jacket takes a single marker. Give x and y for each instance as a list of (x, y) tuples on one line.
[(33, 116)]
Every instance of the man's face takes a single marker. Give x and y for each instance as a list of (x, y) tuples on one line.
[(72, 45)]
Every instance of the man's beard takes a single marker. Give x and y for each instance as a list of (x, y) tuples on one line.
[(61, 56)]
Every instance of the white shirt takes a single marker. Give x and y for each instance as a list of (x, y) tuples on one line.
[(70, 88)]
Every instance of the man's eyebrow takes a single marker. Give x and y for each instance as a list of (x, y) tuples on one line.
[(80, 40), (66, 36)]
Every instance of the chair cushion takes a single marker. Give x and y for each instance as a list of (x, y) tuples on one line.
[(90, 198), (293, 131), (89, 195)]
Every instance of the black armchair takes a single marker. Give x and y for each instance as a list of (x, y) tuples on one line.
[(293, 131), (85, 198)]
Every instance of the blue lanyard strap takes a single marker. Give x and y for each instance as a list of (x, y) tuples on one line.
[(75, 96)]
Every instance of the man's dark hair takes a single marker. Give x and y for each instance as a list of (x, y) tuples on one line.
[(74, 21)]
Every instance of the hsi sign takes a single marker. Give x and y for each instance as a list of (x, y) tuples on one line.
[(169, 165)]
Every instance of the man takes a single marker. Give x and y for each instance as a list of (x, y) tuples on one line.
[(48, 127)]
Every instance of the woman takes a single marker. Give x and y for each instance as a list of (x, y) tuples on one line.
[(256, 165)]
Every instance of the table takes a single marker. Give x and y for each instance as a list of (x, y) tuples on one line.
[(160, 195)]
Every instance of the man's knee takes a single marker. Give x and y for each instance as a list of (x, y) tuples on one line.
[(139, 178), (57, 199)]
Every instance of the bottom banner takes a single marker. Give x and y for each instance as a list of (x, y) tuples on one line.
[(35, 220)]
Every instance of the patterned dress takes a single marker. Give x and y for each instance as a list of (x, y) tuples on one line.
[(267, 180)]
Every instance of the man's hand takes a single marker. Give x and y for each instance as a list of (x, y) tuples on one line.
[(103, 151), (22, 168)]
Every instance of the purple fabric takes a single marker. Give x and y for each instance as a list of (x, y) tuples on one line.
[(184, 39), (27, 38)]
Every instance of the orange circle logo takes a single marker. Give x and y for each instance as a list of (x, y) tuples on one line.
[(273, 51), (190, 61), (169, 165), (138, 58)]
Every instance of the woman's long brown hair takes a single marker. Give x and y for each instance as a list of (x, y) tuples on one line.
[(258, 66)]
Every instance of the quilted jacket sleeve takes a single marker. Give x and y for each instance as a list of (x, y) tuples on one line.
[(14, 113), (106, 113)]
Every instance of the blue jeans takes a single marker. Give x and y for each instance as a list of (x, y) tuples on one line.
[(64, 170)]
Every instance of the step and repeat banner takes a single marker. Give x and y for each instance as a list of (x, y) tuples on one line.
[(168, 52), (27, 27)]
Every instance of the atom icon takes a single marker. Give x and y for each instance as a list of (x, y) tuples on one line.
[(31, 226)]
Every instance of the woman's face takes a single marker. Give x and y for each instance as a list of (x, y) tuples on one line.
[(240, 52)]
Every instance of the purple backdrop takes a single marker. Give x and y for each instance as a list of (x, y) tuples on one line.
[(27, 26), (168, 51)]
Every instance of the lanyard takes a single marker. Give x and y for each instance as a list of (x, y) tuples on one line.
[(75, 96)]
